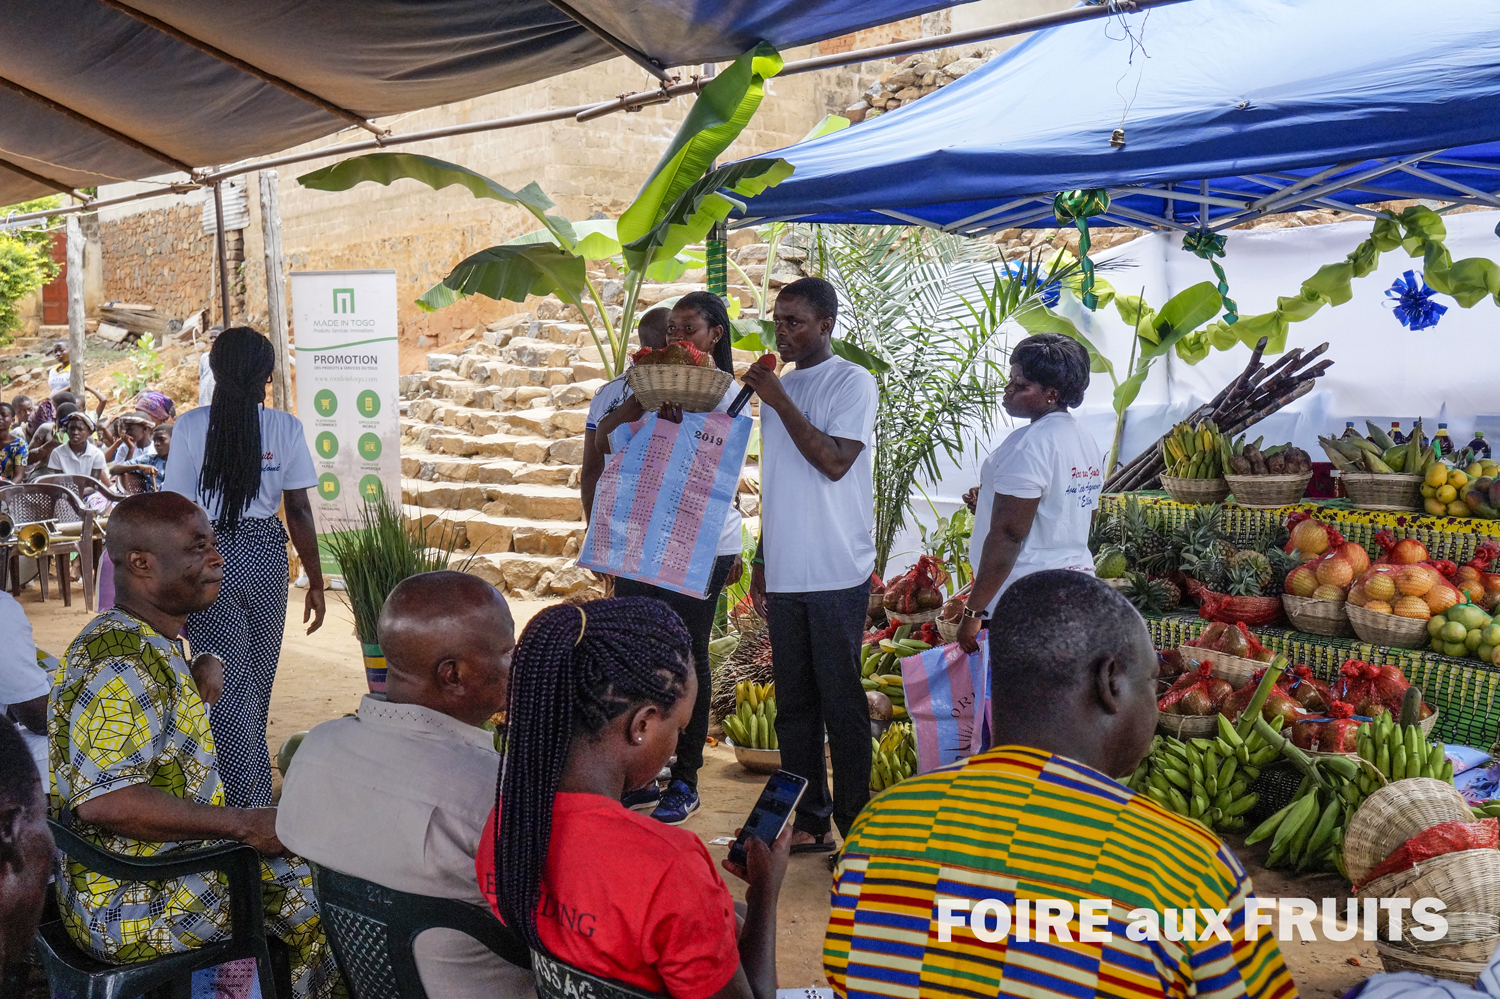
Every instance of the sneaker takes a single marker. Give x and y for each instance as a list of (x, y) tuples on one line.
[(677, 804), (643, 800)]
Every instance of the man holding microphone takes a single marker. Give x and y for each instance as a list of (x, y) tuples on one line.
[(811, 573)]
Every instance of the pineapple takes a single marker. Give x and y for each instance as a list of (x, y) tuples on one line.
[(1281, 563), (1152, 596), (1258, 563), (1243, 579), (1145, 540), (1211, 568)]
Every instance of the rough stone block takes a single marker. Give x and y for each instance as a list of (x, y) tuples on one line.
[(568, 451), (533, 451), (526, 394), (423, 410), (569, 420), (589, 370), (447, 442), (536, 353), (576, 394), (461, 392), (486, 423), (487, 535), (547, 377), (532, 422), (453, 470), (497, 472), (545, 475), (440, 362), (570, 579), (543, 539), (534, 502)]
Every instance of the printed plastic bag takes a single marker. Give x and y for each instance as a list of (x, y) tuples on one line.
[(948, 698)]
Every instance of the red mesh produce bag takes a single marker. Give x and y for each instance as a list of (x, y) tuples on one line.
[(1296, 518), (1244, 610), (1199, 690), (1229, 637), (1448, 837), (1278, 702), (1307, 690), (1337, 734), (677, 352), (1403, 552), (917, 589), (1367, 688)]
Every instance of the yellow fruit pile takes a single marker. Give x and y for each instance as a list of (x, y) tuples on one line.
[(1445, 488)]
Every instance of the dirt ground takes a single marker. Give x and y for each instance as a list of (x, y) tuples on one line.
[(322, 677)]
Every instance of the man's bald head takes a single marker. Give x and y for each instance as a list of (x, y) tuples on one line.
[(166, 562), (142, 522), (447, 638)]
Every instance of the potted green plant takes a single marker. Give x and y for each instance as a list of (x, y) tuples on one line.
[(373, 557)]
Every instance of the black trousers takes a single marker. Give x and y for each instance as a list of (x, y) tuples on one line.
[(697, 614), (815, 657)]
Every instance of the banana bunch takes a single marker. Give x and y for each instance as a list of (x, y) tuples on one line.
[(879, 666), (1379, 454), (1196, 451), (1205, 779), (1398, 752), (1488, 810), (893, 756), (753, 723), (1308, 834)]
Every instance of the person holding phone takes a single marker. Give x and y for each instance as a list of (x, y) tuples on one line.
[(599, 693)]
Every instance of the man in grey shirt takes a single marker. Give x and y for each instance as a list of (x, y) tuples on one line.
[(399, 794)]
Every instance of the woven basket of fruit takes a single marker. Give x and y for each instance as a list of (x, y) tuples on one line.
[(1471, 936), (677, 373), (1388, 491), (915, 596), (1317, 617), (1267, 490), (1236, 669), (1195, 490), (1393, 630)]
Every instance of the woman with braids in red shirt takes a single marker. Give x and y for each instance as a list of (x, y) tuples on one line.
[(598, 694)]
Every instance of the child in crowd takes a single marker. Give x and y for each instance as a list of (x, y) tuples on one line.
[(12, 446)]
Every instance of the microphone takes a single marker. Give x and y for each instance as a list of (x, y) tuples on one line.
[(743, 399)]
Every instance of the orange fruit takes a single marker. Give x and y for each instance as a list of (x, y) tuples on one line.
[(1335, 571), (1415, 580), (1354, 553), (1329, 593), (1310, 538), (1301, 581), (1357, 595), (1440, 598), (1412, 607), (1381, 587), (1378, 606)]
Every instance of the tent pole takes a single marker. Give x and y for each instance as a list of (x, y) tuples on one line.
[(223, 256), (76, 345), (270, 226)]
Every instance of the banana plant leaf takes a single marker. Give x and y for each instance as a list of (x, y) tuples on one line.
[(718, 116), (1037, 318), (512, 271), (860, 356), (699, 207), (385, 168), (1159, 332)]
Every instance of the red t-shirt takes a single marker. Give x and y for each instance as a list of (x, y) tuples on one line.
[(628, 898)]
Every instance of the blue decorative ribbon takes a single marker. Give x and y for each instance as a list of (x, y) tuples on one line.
[(1413, 302), (1027, 275)]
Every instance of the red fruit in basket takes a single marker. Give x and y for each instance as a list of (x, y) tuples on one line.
[(1407, 551), (1196, 702), (1218, 689), (1305, 733), (1354, 553)]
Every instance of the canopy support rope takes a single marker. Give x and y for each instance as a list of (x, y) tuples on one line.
[(630, 52), (97, 126), (245, 67)]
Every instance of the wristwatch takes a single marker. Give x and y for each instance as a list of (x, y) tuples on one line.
[(972, 614)]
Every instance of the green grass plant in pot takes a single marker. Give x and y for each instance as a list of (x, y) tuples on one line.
[(385, 548)]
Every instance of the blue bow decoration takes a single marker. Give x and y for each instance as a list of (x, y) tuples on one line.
[(1413, 302), (1050, 293)]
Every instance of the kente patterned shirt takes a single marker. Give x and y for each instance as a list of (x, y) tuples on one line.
[(1018, 823), (125, 711)]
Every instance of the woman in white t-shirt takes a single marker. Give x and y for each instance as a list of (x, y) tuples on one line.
[(700, 319), (240, 460), (1040, 487)]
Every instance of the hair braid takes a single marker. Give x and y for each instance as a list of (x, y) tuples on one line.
[(576, 668), (242, 361)]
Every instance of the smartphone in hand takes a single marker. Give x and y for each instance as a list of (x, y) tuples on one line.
[(771, 813)]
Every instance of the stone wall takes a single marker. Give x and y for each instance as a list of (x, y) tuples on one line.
[(161, 257)]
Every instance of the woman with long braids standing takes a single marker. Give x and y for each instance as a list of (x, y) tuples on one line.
[(239, 460), (598, 695)]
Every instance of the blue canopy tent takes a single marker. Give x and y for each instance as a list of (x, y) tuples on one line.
[(1243, 108)]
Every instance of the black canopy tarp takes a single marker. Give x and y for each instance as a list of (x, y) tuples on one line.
[(92, 94)]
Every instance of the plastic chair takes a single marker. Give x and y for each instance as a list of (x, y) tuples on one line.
[(558, 980), (372, 929), (59, 502), (74, 974)]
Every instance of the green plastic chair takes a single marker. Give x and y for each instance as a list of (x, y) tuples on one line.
[(75, 974), (373, 928)]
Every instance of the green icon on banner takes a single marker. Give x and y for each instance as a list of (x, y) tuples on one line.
[(369, 447), (371, 489), (325, 402), (326, 445), (368, 403), (328, 486)]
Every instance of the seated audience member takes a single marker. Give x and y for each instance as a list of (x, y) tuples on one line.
[(25, 846), (137, 453), (23, 682), (12, 446), (78, 455), (414, 764), (141, 776), (48, 414), (1073, 674), (598, 695), (23, 405), (158, 406)]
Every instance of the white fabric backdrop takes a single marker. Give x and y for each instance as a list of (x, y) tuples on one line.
[(1382, 370)]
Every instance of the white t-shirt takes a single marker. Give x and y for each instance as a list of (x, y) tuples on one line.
[(21, 679), (817, 533), (65, 461), (127, 452), (286, 462), (59, 378), (205, 382), (730, 542), (1053, 458)]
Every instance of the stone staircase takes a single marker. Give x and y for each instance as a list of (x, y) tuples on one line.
[(492, 450)]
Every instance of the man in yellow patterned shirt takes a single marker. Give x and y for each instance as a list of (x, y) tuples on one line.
[(1036, 833), (135, 766)]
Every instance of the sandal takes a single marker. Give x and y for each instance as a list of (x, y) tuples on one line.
[(823, 844)]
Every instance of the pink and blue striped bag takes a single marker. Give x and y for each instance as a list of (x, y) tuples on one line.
[(660, 504), (948, 698)]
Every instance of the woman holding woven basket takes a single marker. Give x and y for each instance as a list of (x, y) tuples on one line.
[(700, 320)]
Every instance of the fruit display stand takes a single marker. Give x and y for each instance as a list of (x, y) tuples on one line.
[(1465, 692)]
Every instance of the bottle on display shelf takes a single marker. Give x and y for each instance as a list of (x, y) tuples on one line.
[(1444, 442), (1423, 442), (1397, 437), (1479, 445)]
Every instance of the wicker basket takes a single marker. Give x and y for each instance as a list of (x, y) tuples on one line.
[(1395, 957), (1317, 617), (1121, 583), (1236, 669), (1471, 936), (915, 618), (1266, 491), (949, 630), (1195, 490), (1468, 880), (1394, 814), (695, 389), (1187, 727), (1390, 630), (1390, 491)]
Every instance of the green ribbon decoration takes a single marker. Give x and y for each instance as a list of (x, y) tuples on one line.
[(1209, 245), (1078, 207)]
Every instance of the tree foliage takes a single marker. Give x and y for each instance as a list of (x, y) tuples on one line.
[(25, 262)]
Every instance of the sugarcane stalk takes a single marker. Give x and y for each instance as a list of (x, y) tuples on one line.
[(1258, 699), (1299, 759)]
